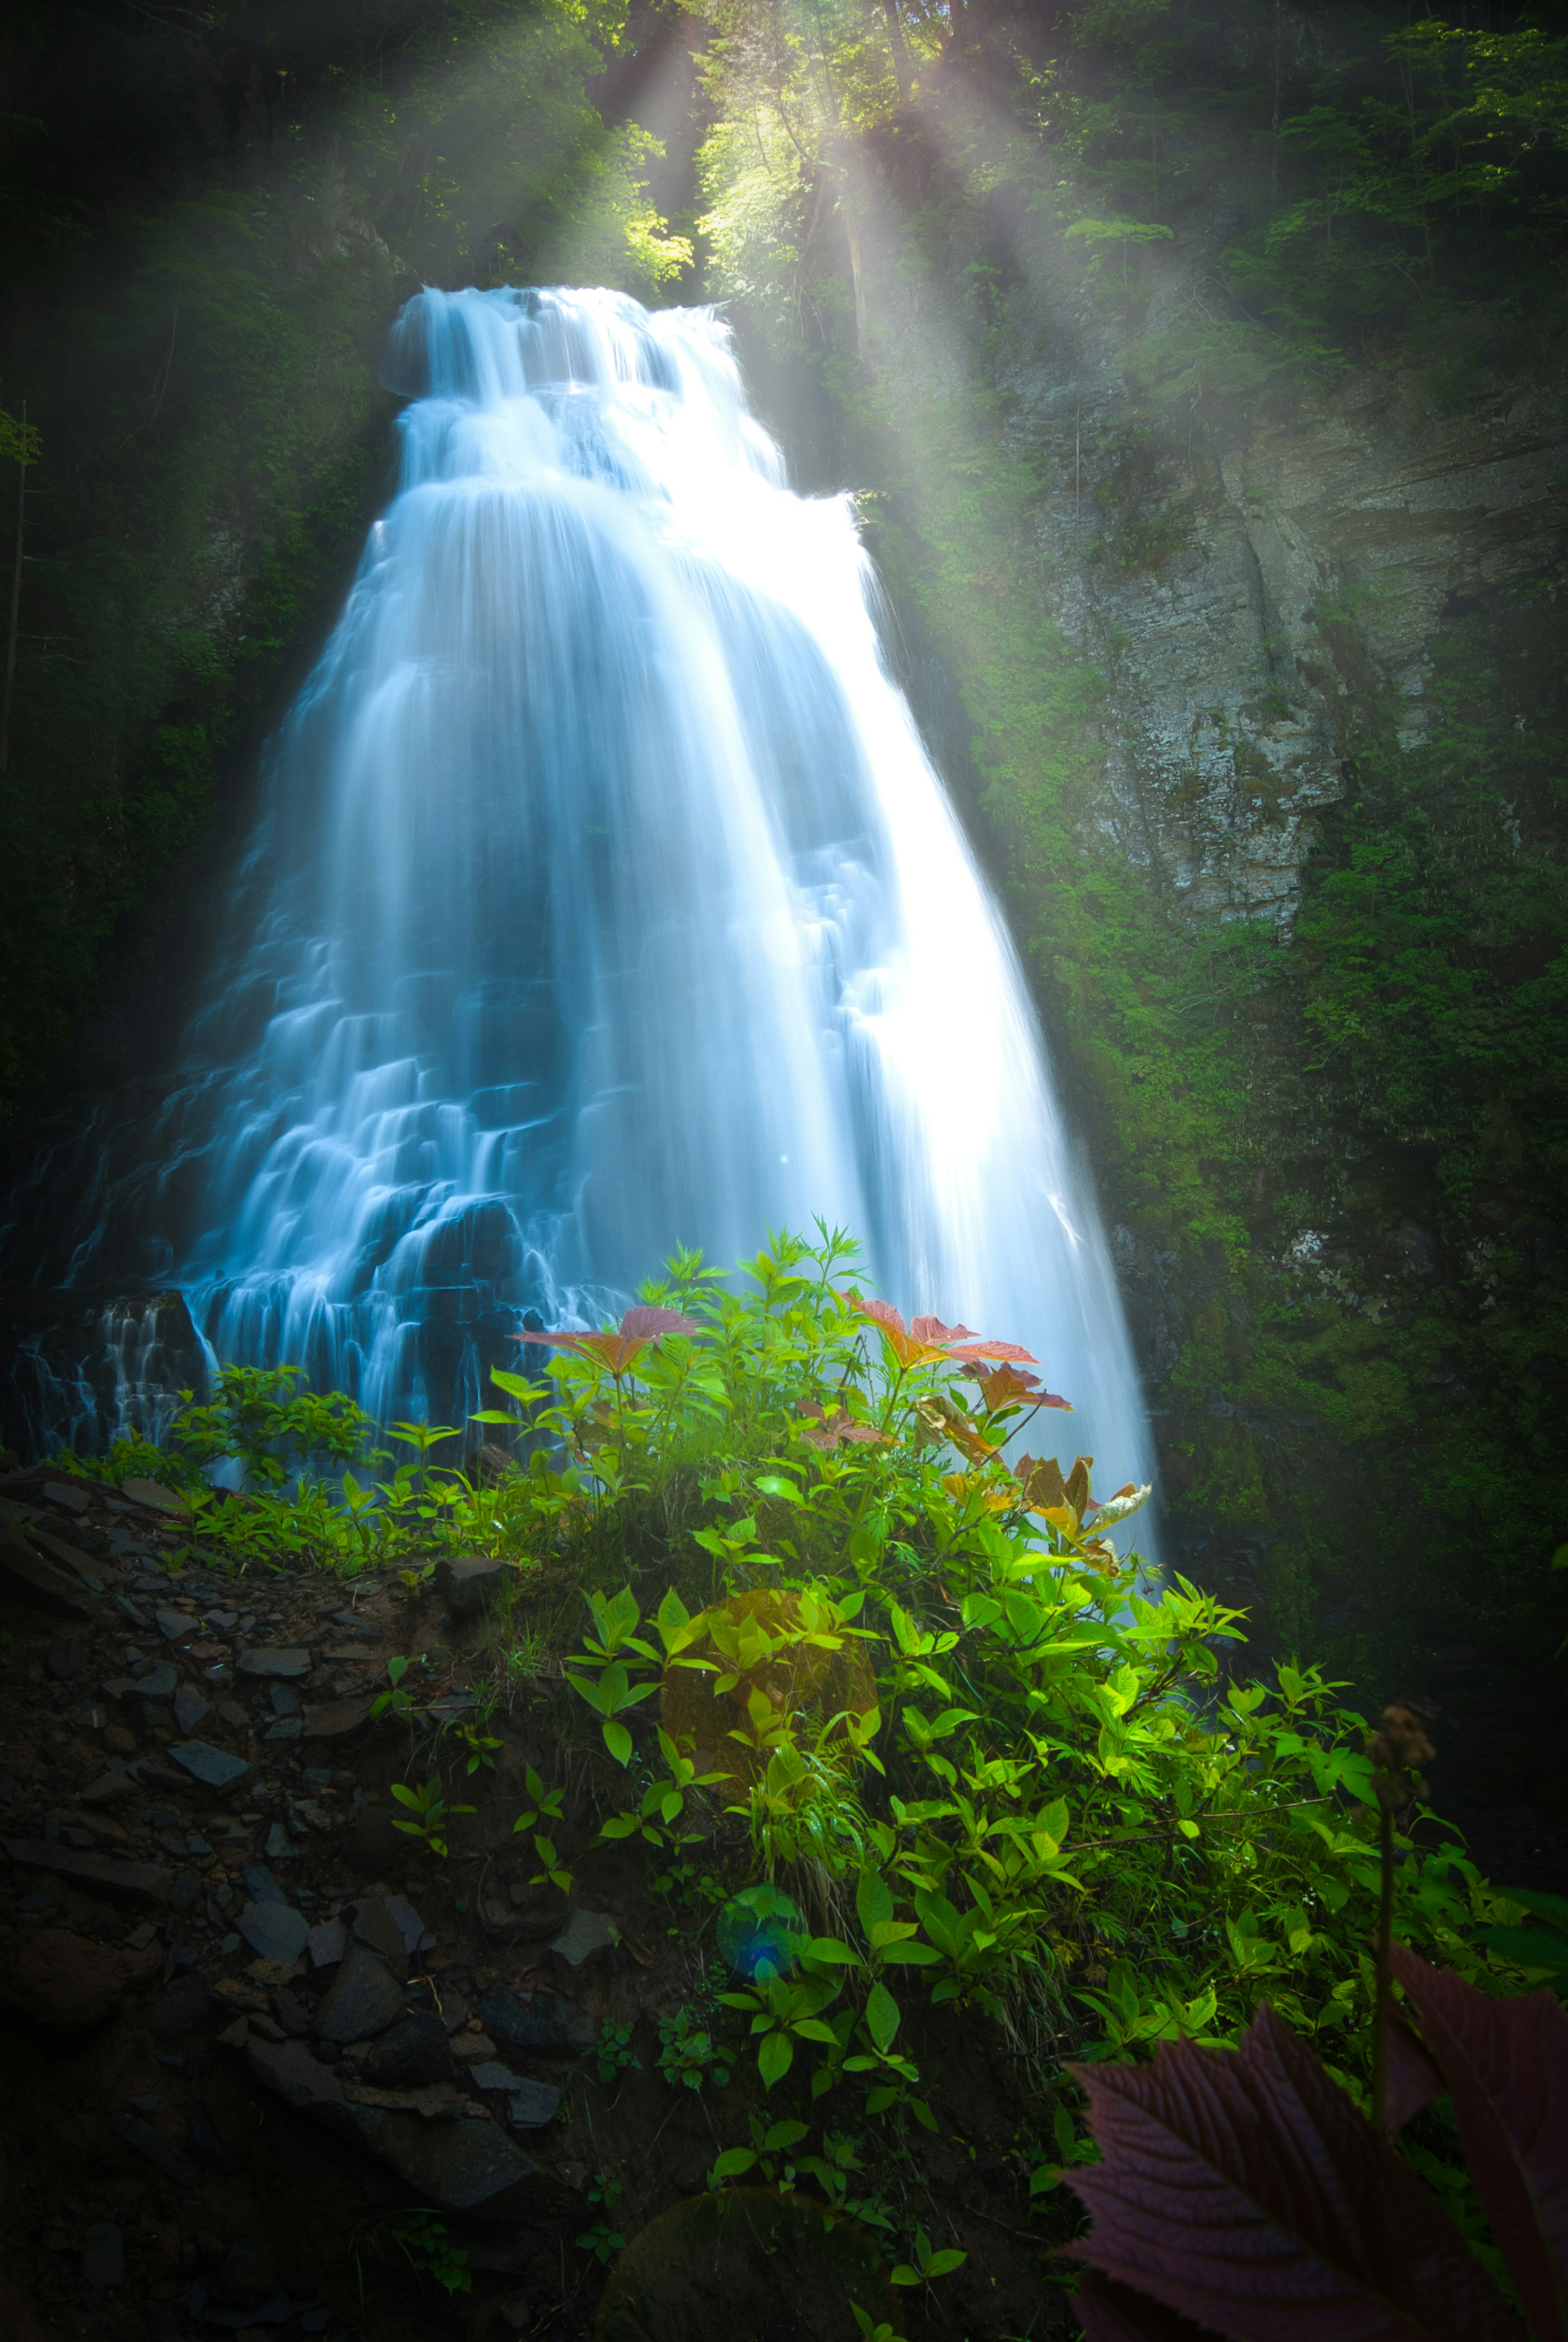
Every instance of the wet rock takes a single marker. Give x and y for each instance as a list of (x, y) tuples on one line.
[(536, 2021), (190, 1707), (212, 1766), (65, 1495), (469, 1587), (269, 1661), (112, 1787), (60, 1979), (260, 1885), (280, 1846), (233, 1715), (34, 1584), (283, 1701), (364, 1999), (415, 2051), (274, 1931), (159, 2151), (585, 1933), (159, 1683), (186, 1892), (417, 1936), (175, 1626), (459, 2166), (287, 1727), (490, 2075), (290, 2014)]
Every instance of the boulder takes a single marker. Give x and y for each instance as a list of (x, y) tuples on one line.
[(469, 1587), (536, 2020), (366, 1998), (415, 2051)]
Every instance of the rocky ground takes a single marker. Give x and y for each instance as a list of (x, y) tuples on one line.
[(252, 2031)]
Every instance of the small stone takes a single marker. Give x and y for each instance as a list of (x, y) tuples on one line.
[(274, 1931), (283, 1701), (364, 1999), (260, 1885), (416, 2052), (328, 1943), (469, 1587), (160, 2152), (287, 1727), (104, 2262), (471, 2047), (66, 1494), (210, 1765), (155, 1497), (234, 1714), (156, 1684), (331, 1721), (290, 2014), (110, 1788), (585, 1933), (280, 1846), (540, 2021), (490, 2075), (173, 1626), (186, 1893), (533, 2106), (121, 1741), (270, 1660), (417, 1936), (374, 1924), (190, 1707)]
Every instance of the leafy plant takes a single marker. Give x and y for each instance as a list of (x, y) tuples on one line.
[(547, 1806), (927, 2264), (1245, 2191), (432, 2250), (602, 2240), (426, 1817), (613, 2053), (687, 2055)]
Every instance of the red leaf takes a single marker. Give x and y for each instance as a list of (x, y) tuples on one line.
[(645, 1325), (883, 1311), (1505, 2063), (931, 1329), (1244, 2190), (1114, 2313), (1413, 2081)]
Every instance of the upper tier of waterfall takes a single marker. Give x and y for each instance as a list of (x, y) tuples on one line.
[(604, 898)]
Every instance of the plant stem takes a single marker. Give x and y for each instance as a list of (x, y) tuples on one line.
[(1384, 1927), (16, 597)]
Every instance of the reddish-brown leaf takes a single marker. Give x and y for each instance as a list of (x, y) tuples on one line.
[(646, 1325), (1505, 2063), (1012, 1350), (1114, 2313), (1413, 2081), (1244, 2190), (883, 1311), (933, 1330)]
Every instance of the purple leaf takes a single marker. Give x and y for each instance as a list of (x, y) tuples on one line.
[(1244, 2190), (1413, 2081), (1114, 2313), (1505, 2063)]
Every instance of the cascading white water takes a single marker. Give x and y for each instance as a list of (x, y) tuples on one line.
[(605, 899)]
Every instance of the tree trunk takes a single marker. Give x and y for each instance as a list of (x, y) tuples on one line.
[(901, 65)]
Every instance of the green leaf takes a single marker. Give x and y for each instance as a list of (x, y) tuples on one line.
[(775, 2058), (881, 2016), (943, 2263), (618, 1741), (731, 2164)]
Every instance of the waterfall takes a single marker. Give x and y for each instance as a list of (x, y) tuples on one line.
[(603, 899)]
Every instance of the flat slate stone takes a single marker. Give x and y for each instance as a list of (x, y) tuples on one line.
[(154, 1496), (412, 2055), (67, 1494), (585, 1933), (109, 1789), (159, 1683), (274, 1931), (34, 1584), (540, 2021), (335, 1718), (533, 2106), (173, 1626), (283, 1701), (280, 1846), (490, 2074), (374, 1925), (287, 1727), (364, 1999), (260, 1885), (212, 1766), (417, 1936), (190, 1707), (268, 1660), (327, 1943), (145, 1882)]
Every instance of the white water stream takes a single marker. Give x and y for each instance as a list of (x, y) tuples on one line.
[(605, 899)]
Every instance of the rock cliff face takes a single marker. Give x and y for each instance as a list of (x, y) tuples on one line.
[(1265, 709)]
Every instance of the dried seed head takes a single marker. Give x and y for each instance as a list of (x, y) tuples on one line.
[(1396, 1751)]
